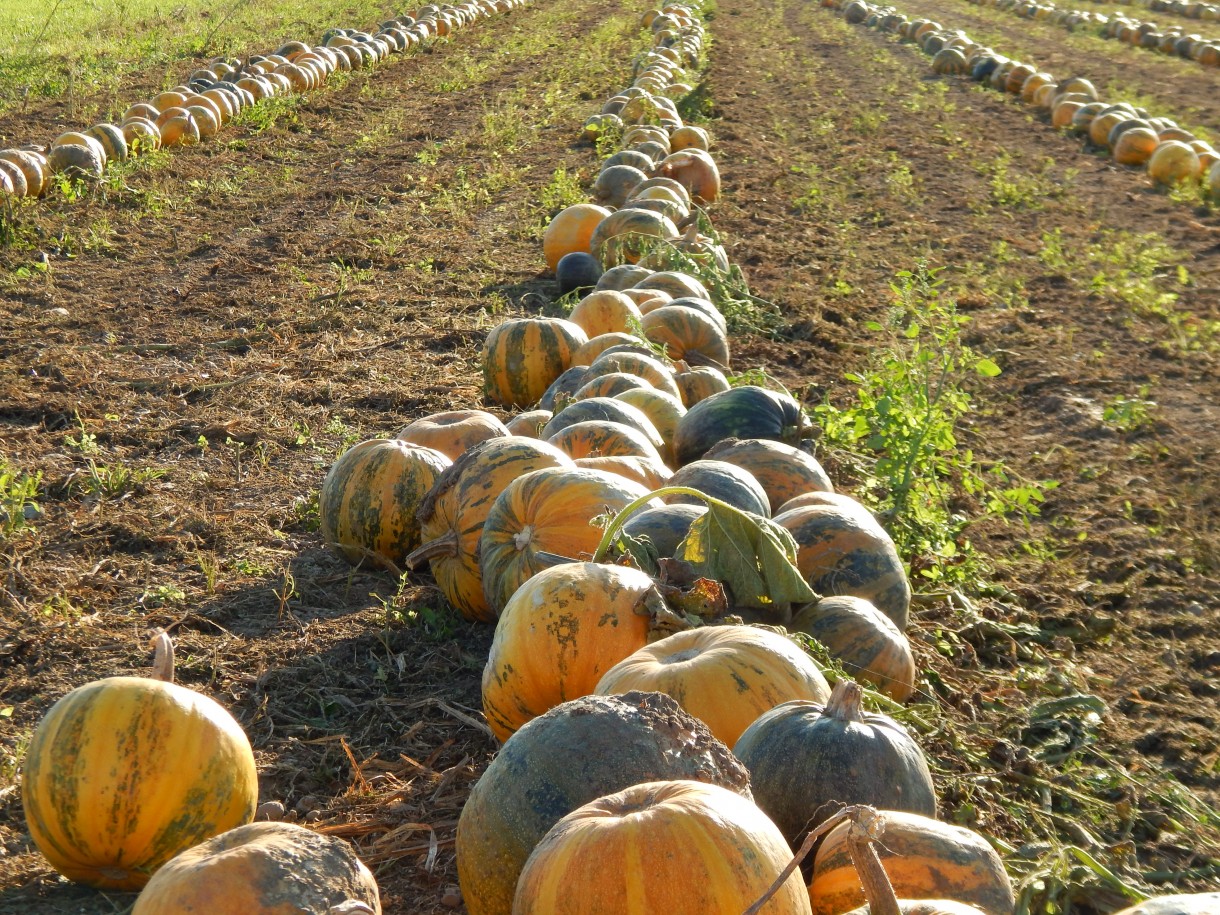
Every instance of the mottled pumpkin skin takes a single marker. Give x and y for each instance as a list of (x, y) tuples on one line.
[(126, 772), (609, 385), (686, 333), (523, 356), (784, 472), (575, 753), (548, 511), (725, 676), (864, 640), (720, 480), (666, 526), (648, 473), (559, 633), (1177, 904), (453, 431), (663, 410), (924, 858), (655, 372), (458, 506), (604, 409), (599, 344), (806, 760), (529, 424), (602, 438), (260, 869), (369, 498), (700, 383), (744, 412), (845, 551), (678, 847)]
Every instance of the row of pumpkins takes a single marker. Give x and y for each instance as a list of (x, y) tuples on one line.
[(1170, 154), (213, 95), (1171, 40), (1190, 9)]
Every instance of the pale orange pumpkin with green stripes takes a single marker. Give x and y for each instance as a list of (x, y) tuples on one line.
[(370, 496), (523, 356), (124, 773), (687, 334)]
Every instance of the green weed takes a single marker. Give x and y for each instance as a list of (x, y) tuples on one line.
[(18, 499)]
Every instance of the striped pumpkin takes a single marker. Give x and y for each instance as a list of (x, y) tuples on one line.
[(864, 640), (783, 471), (601, 438), (610, 385), (663, 410), (923, 858), (604, 409), (605, 311), (523, 356), (652, 370), (725, 676), (453, 431), (680, 847), (543, 518), (452, 516), (599, 344), (845, 551), (369, 498), (124, 773), (700, 383), (648, 473), (687, 334), (558, 634)]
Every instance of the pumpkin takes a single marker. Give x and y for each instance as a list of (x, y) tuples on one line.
[(708, 309), (76, 159), (687, 334), (369, 497), (1178, 904), (563, 389), (623, 277), (922, 857), (806, 760), (601, 438), (1173, 163), (451, 516), (141, 135), (627, 234), (114, 145), (928, 907), (609, 385), (575, 753), (648, 473), (679, 847), (521, 358), (260, 869), (652, 370), (558, 634), (666, 527), (577, 270), (33, 168), (686, 137), (529, 424), (614, 185), (663, 410), (124, 773), (864, 640), (605, 311), (817, 497), (179, 130), (12, 179), (543, 518), (603, 409), (784, 472), (700, 383), (599, 344), (744, 412), (722, 481), (726, 676), (1213, 180), (844, 550), (676, 283), (1135, 146), (696, 171), (452, 432)]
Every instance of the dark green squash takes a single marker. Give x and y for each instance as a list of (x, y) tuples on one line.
[(666, 527), (723, 481), (744, 412), (806, 761)]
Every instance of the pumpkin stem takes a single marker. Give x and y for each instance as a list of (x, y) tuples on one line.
[(163, 657), (845, 702), (351, 907), (444, 545), (866, 827), (522, 538)]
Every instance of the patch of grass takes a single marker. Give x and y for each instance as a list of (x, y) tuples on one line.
[(109, 481), (19, 506), (1129, 414)]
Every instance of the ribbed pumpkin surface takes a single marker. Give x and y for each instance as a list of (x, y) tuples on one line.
[(700, 383), (453, 514), (726, 676), (784, 472), (604, 409), (605, 311), (452, 432), (647, 472), (1178, 904), (370, 496), (806, 760), (124, 773), (680, 847), (924, 858), (845, 551), (523, 356), (602, 438), (559, 633), (543, 515), (663, 410), (686, 333), (743, 412), (864, 640), (575, 753), (651, 370), (260, 869)]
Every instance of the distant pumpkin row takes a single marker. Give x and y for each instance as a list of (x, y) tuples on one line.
[(212, 96)]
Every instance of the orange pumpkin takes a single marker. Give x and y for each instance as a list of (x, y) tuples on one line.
[(864, 640), (605, 311), (605, 410), (663, 410), (529, 424), (724, 675), (126, 772), (681, 847), (558, 634), (609, 385), (595, 438), (650, 369), (648, 473), (699, 383), (260, 869), (687, 334), (452, 515), (599, 344), (543, 518), (783, 471), (523, 356), (452, 432), (923, 858), (368, 500)]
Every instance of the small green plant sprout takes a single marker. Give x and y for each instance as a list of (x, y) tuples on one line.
[(1129, 414), (19, 506)]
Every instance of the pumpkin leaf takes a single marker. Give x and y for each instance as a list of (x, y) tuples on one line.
[(753, 556)]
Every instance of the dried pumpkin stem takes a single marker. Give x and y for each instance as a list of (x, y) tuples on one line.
[(163, 657), (866, 827), (444, 545), (845, 702)]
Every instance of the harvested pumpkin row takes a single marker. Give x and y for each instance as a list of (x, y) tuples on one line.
[(212, 96), (1170, 155), (1148, 35)]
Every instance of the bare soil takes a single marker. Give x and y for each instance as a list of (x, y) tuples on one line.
[(240, 314)]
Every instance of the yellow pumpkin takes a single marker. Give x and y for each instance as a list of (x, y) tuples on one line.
[(522, 357), (606, 311), (570, 231)]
